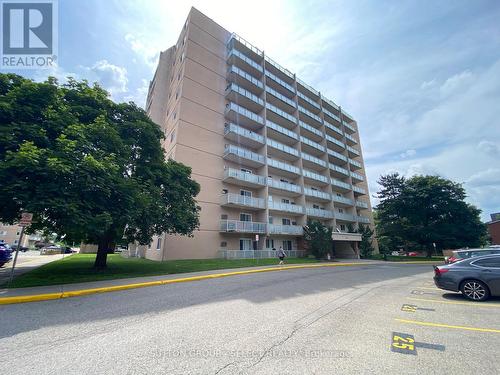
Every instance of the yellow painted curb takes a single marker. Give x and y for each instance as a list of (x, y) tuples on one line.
[(84, 292)]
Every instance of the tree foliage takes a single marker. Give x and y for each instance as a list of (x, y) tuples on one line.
[(422, 210), (89, 169), (366, 245), (318, 238)]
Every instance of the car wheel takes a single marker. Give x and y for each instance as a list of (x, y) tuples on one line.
[(475, 290)]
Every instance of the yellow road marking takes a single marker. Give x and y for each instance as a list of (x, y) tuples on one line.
[(429, 324), (475, 304)]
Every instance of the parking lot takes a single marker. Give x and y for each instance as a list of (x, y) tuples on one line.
[(367, 319)]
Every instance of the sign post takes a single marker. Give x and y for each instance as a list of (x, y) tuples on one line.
[(24, 222)]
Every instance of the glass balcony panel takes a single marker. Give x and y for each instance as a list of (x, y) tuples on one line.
[(244, 176), (242, 226), (284, 186), (283, 166), (282, 130), (316, 193), (282, 147)]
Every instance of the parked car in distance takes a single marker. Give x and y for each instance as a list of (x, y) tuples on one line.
[(21, 248), (5, 254), (476, 278), (48, 250), (470, 253)]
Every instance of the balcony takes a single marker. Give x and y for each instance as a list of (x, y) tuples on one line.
[(352, 151), (280, 99), (243, 136), (237, 177), (350, 139), (345, 236), (312, 146), (295, 230), (361, 204), (331, 115), (237, 41), (342, 201), (314, 177), (285, 168), (242, 201), (282, 151), (318, 212), (363, 219), (317, 194), (246, 98), (306, 101), (312, 162), (279, 68), (243, 156), (358, 190), (237, 226), (336, 131), (310, 115), (327, 102), (284, 186), (242, 116), (314, 133), (354, 164), (345, 217), (340, 185), (257, 254), (245, 79), (336, 156), (338, 171), (279, 132), (349, 128), (334, 144), (307, 89), (278, 115), (289, 208), (357, 177), (239, 59), (279, 84)]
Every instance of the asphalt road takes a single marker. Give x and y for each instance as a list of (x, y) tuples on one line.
[(308, 321)]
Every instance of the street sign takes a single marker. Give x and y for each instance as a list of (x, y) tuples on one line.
[(26, 219)]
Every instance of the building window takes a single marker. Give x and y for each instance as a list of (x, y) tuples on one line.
[(158, 244), (270, 220), (223, 244), (269, 243), (172, 136), (285, 221), (342, 227), (245, 244), (175, 115), (245, 217), (223, 217), (177, 94), (246, 193), (315, 206), (287, 245), (341, 210), (283, 200)]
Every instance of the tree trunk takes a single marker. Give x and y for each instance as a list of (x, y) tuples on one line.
[(102, 254)]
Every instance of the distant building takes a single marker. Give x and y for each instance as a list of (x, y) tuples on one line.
[(9, 234), (268, 150), (494, 228)]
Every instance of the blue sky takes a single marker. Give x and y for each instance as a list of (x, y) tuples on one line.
[(422, 78)]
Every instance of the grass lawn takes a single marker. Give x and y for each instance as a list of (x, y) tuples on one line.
[(395, 258), (77, 268)]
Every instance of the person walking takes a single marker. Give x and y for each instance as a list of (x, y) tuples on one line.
[(281, 255)]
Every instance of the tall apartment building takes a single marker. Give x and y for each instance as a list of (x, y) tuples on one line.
[(268, 150)]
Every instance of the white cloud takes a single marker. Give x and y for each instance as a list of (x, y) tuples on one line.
[(147, 52), (490, 176), (138, 96), (457, 82), (489, 148), (408, 153), (112, 77)]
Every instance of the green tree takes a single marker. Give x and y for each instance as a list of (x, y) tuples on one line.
[(89, 169), (426, 210), (318, 238), (366, 245)]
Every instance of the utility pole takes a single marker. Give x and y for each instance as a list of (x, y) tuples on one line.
[(25, 221)]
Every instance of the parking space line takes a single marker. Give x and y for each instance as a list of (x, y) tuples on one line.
[(465, 328), (475, 304), (424, 287)]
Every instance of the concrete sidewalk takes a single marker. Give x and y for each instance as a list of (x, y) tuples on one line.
[(15, 292)]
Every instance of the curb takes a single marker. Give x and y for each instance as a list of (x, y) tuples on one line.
[(84, 292)]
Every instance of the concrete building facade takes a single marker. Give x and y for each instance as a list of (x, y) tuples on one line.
[(268, 150)]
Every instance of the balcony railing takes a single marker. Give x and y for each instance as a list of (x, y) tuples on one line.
[(284, 185), (357, 176), (355, 163), (287, 207), (242, 200), (281, 113), (334, 167), (336, 154), (245, 176), (318, 212), (330, 103), (341, 199), (314, 176), (359, 190), (316, 145), (283, 166), (243, 153), (282, 147), (257, 254), (336, 141), (246, 44), (279, 67), (286, 229), (350, 138), (313, 159), (346, 217), (309, 100), (233, 128), (333, 128), (332, 115), (244, 112), (348, 126), (246, 59), (250, 78), (341, 184), (361, 204), (281, 97), (310, 114), (316, 193), (282, 130), (362, 219), (353, 150), (306, 86), (310, 128), (280, 81), (240, 90), (242, 226)]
